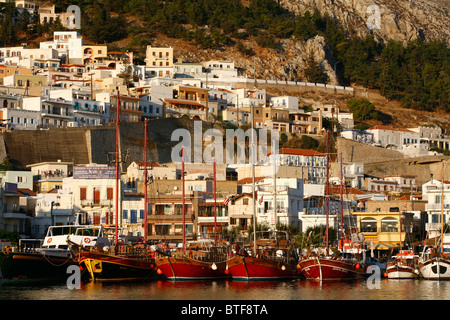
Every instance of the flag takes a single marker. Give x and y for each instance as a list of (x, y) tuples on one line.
[(261, 199), (307, 239), (225, 202)]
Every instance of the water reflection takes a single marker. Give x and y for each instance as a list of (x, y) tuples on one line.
[(232, 290)]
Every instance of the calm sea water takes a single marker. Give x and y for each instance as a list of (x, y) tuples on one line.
[(232, 290)]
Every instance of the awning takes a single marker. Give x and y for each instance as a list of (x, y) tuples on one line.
[(383, 246)]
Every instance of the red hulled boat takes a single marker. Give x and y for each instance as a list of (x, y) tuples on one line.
[(326, 266), (330, 268), (203, 260), (275, 260), (207, 263)]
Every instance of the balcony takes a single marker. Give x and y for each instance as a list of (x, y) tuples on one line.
[(436, 206), (93, 203)]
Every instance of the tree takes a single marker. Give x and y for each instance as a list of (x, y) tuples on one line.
[(314, 72), (362, 109)]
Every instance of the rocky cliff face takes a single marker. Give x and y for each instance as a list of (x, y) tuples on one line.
[(401, 20)]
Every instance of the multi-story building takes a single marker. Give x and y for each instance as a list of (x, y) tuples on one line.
[(438, 207), (221, 69), (270, 118), (385, 229), (94, 192), (250, 97), (54, 113), (165, 219), (208, 219), (300, 122), (68, 44), (8, 70), (188, 100), (313, 160), (404, 182), (159, 62), (24, 81), (128, 110), (240, 212), (285, 102), (50, 175), (86, 111), (94, 54), (12, 219)]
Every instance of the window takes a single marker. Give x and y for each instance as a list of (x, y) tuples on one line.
[(133, 216), (109, 193), (389, 225), (125, 214), (82, 193), (245, 201), (368, 225), (141, 214)]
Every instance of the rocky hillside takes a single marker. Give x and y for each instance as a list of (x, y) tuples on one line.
[(401, 20)]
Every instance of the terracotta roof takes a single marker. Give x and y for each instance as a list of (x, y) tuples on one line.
[(250, 180), (336, 189), (149, 164), (300, 152), (26, 192)]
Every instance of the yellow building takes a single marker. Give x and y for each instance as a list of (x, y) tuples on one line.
[(382, 228), (94, 54), (24, 81)]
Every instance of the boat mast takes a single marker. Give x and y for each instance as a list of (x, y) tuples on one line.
[(253, 155), (117, 170), (145, 181), (327, 192), (183, 201), (341, 190), (442, 211), (275, 217), (215, 206)]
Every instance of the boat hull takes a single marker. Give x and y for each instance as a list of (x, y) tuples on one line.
[(399, 271), (251, 268), (21, 266), (435, 269), (104, 267), (330, 269), (184, 268)]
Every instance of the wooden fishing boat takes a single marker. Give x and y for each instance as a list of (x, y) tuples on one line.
[(274, 259), (125, 265), (196, 263), (330, 268), (344, 265), (50, 259), (272, 262), (404, 266)]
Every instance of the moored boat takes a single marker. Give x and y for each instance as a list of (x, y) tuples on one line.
[(403, 266), (434, 262), (49, 259), (329, 267), (434, 265), (131, 264), (274, 259), (195, 263)]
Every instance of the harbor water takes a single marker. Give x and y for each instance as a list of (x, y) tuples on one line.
[(384, 289)]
